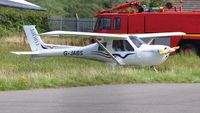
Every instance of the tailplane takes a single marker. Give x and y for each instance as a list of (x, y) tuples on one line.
[(38, 47), (26, 53), (34, 40)]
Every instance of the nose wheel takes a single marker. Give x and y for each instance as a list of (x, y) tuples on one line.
[(154, 68)]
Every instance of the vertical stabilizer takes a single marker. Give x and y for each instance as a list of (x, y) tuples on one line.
[(33, 38)]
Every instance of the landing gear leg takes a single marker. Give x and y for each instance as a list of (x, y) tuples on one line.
[(113, 65), (154, 68)]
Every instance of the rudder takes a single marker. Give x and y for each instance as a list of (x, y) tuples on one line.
[(33, 37)]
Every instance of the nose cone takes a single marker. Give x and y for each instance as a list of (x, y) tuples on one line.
[(167, 50), (163, 53), (151, 54)]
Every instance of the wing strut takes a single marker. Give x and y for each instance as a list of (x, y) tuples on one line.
[(150, 41), (108, 52)]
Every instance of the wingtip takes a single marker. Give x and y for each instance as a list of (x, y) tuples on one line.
[(182, 33), (16, 53)]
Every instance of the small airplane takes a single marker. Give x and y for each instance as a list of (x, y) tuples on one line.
[(121, 49), (22, 4)]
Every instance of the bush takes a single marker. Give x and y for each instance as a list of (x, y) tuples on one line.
[(12, 20)]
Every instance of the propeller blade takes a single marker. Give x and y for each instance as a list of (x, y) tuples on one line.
[(164, 52), (169, 50), (177, 47)]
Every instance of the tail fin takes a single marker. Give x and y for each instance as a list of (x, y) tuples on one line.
[(33, 37)]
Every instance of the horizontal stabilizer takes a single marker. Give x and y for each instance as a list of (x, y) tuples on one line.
[(26, 53)]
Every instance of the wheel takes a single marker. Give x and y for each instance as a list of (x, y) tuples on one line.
[(198, 51), (189, 48)]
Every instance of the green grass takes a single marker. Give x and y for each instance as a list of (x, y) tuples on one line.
[(17, 72)]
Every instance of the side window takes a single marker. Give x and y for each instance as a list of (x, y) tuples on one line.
[(104, 44), (105, 23), (122, 45), (117, 23), (128, 46), (118, 45)]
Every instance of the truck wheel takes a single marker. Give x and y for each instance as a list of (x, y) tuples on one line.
[(188, 49), (198, 51)]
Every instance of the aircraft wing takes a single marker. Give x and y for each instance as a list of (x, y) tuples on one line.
[(21, 4), (154, 35), (91, 34), (120, 36)]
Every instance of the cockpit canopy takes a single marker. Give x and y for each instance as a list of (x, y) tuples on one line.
[(136, 41), (125, 45)]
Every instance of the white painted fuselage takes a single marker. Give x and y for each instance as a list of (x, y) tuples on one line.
[(144, 56)]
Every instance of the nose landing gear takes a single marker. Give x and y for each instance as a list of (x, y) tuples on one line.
[(154, 68)]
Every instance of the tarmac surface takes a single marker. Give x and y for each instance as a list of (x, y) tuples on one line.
[(137, 98)]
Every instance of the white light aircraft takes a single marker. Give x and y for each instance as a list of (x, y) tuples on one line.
[(122, 49)]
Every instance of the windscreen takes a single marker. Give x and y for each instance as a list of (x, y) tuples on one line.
[(138, 42)]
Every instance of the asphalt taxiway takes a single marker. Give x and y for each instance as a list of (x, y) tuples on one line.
[(137, 98)]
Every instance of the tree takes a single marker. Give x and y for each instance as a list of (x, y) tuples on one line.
[(156, 3)]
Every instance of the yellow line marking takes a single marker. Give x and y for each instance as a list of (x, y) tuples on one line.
[(193, 35)]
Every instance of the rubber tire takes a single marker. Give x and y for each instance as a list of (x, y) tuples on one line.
[(188, 48)]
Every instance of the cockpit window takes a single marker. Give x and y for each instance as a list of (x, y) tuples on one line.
[(122, 45), (136, 41)]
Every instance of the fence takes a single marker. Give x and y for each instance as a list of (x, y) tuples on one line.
[(72, 24)]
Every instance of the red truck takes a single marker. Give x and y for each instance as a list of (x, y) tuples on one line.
[(151, 22)]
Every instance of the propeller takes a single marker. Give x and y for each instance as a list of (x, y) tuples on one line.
[(169, 50)]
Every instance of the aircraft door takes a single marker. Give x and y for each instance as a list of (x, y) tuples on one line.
[(123, 50)]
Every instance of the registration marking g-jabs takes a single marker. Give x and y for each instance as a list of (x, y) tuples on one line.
[(73, 53)]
